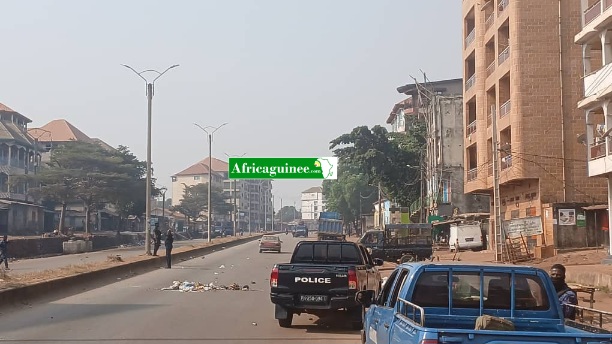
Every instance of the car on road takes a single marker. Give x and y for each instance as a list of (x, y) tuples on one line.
[(322, 278), (270, 243)]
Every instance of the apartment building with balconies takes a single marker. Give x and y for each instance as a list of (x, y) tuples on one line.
[(521, 72), (594, 37), (253, 198)]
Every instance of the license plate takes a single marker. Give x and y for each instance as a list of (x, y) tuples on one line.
[(469, 239), (313, 298)]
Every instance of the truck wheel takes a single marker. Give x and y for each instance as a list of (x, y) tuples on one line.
[(286, 323), (363, 338), (357, 314), (260, 251)]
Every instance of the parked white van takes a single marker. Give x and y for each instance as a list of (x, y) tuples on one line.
[(465, 237)]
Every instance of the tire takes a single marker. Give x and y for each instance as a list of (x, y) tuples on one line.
[(286, 323), (260, 251), (358, 315), (363, 337)]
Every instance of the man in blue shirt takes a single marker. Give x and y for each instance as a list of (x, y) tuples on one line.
[(567, 296)]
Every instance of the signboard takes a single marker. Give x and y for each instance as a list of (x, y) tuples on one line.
[(527, 226), (567, 217)]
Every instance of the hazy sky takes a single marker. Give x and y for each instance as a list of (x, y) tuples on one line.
[(288, 76)]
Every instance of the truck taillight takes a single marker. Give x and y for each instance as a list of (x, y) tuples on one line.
[(274, 278), (352, 279)]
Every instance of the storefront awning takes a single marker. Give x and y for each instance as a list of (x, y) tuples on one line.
[(596, 207)]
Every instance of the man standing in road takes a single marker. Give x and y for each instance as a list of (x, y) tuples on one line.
[(4, 252), (169, 241), (567, 297), (157, 238)]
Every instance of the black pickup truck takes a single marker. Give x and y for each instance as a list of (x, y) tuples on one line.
[(323, 277)]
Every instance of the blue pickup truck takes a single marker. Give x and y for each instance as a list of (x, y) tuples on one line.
[(429, 303)]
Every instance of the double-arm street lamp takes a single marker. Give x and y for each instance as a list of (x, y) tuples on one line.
[(234, 192), (209, 131), (150, 85)]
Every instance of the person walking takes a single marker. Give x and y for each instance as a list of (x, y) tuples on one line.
[(169, 241), (4, 252), (157, 239)]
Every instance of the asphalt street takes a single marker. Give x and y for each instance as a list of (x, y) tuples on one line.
[(136, 310)]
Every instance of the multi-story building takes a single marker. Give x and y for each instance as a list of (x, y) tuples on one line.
[(19, 155), (252, 198), (594, 38), (313, 203), (521, 78), (54, 134), (440, 106), (401, 116)]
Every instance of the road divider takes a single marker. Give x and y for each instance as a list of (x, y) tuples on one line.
[(59, 287)]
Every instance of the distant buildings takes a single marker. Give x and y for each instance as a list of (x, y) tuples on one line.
[(313, 203)]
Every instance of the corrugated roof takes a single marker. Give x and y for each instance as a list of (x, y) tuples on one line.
[(6, 109)]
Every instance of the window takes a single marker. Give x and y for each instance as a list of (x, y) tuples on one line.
[(327, 253), (398, 286), (386, 290), (173, 179), (514, 214), (466, 290), (366, 256), (196, 177), (531, 211), (431, 289)]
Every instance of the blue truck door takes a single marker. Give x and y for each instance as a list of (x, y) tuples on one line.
[(384, 314)]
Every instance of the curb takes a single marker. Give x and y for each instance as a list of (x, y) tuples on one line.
[(59, 287)]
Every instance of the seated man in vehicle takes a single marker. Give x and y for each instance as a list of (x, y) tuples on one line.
[(567, 297)]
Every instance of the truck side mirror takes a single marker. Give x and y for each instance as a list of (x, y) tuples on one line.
[(378, 262), (365, 297)]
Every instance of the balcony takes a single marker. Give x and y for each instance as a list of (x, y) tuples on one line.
[(503, 56), (503, 4), (472, 174), (592, 12), (598, 150), (596, 85), (490, 19), (600, 163), (491, 68), (506, 162), (470, 82), (470, 129), (504, 109), (470, 38)]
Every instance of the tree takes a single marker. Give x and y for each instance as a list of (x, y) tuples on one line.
[(382, 157), (288, 213), (95, 176), (195, 201)]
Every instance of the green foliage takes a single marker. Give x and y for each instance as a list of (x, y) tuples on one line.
[(288, 214), (195, 201), (93, 175), (370, 156)]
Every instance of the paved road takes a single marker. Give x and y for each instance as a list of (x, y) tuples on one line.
[(55, 262), (136, 311)]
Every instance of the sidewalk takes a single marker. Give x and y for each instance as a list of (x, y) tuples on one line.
[(31, 265)]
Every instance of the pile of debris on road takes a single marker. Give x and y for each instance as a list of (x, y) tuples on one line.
[(187, 286)]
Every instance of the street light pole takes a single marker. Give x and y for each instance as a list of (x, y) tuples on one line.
[(163, 191), (235, 191), (150, 86), (210, 170)]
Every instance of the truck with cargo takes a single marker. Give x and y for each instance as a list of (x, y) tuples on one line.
[(469, 303), (330, 226), (400, 242)]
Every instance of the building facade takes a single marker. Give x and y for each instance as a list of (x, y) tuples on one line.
[(440, 106), (313, 203), (520, 93), (594, 39), (254, 208)]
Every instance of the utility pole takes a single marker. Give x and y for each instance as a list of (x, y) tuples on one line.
[(210, 170), (272, 213), (236, 221), (249, 197), (422, 211), (150, 86), (380, 217), (280, 214), (498, 237)]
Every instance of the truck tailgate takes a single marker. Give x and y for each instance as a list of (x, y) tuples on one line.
[(405, 328), (313, 279)]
